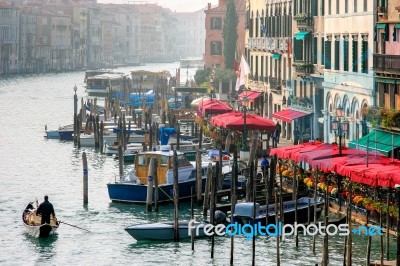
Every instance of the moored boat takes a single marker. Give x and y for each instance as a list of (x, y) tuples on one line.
[(244, 211), (32, 223), (131, 148), (133, 187), (164, 230)]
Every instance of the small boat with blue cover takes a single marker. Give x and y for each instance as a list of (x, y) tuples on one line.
[(244, 211)]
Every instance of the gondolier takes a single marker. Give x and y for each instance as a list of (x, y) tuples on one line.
[(45, 209)]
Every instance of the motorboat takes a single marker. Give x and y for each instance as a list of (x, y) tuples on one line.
[(165, 230)]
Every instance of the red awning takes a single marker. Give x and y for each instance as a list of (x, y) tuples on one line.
[(251, 95), (287, 115)]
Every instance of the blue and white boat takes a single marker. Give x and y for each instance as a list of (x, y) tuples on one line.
[(133, 186), (165, 230)]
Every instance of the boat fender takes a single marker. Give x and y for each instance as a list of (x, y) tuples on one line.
[(133, 179)]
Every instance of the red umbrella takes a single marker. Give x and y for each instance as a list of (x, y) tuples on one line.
[(235, 121), (214, 107)]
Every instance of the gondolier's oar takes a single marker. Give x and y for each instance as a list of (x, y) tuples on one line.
[(74, 226)]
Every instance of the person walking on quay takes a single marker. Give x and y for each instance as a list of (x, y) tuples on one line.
[(275, 139), (296, 134), (45, 209), (278, 129), (264, 166)]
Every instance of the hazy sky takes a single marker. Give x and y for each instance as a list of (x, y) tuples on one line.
[(174, 5)]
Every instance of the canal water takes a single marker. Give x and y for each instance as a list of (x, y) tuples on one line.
[(32, 166)]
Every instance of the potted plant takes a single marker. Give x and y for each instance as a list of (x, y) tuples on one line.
[(301, 16)]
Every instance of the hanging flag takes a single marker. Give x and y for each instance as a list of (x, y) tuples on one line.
[(263, 28), (244, 70)]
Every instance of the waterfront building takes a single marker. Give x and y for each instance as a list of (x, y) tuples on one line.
[(348, 74), (214, 42), (268, 50), (9, 38), (191, 33), (158, 33), (305, 92), (27, 50), (387, 55)]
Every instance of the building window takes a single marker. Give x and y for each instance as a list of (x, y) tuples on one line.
[(216, 23), (337, 54), (354, 62), (364, 56), (346, 55), (328, 54), (355, 6), (315, 50), (322, 51), (346, 7), (216, 48), (298, 50), (365, 5), (329, 7), (337, 7)]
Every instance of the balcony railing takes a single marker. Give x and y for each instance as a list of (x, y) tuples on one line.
[(387, 63), (303, 68)]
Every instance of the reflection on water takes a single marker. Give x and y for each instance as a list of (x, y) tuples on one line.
[(43, 247)]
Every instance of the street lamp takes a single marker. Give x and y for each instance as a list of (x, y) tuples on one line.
[(397, 188), (244, 141), (340, 126)]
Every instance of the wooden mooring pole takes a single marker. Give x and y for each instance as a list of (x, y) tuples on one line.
[(233, 198), (176, 198), (152, 170), (207, 190), (156, 191), (278, 256), (252, 177), (120, 161), (315, 207), (85, 179), (199, 181), (192, 216), (213, 204)]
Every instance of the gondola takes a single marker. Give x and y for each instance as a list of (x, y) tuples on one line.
[(32, 223)]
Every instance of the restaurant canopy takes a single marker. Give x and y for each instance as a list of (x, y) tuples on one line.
[(288, 115), (359, 166), (250, 95), (214, 107), (380, 141), (235, 121)]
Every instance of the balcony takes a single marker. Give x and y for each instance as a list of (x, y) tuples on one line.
[(382, 12), (303, 68), (304, 21), (283, 44), (387, 63), (271, 44)]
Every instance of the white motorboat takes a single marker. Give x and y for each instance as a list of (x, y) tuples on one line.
[(131, 148)]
